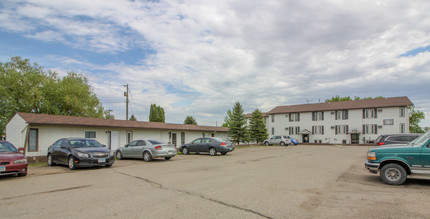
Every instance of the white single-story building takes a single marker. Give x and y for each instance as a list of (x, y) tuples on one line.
[(36, 132)]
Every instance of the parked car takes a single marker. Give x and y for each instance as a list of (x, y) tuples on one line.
[(210, 145), (79, 152), (12, 161), (395, 162), (279, 140), (146, 149), (396, 139)]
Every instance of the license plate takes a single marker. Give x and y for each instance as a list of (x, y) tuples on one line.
[(102, 160), (170, 152), (2, 168)]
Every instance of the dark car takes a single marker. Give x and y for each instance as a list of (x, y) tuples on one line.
[(12, 161), (79, 152), (208, 145), (395, 139)]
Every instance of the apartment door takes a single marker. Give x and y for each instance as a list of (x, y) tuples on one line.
[(174, 139), (355, 138)]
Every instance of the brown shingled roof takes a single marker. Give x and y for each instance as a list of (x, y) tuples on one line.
[(45, 119), (343, 105)]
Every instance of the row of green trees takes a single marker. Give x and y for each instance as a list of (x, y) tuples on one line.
[(26, 87)]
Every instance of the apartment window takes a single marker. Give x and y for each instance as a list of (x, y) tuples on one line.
[(402, 127), (294, 117), (182, 138), (342, 115), (317, 116), (318, 130), (90, 134), (402, 112), (293, 130), (273, 118), (341, 129), (370, 129), (33, 140), (273, 130), (129, 135), (369, 113)]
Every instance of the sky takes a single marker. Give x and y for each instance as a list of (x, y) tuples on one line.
[(197, 58)]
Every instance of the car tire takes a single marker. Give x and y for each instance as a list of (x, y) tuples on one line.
[(71, 163), (185, 150), (22, 174), (282, 143), (50, 162), (223, 153), (119, 155), (168, 158), (266, 143), (147, 157), (108, 165), (393, 174), (212, 151)]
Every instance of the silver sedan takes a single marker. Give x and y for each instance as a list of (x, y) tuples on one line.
[(146, 149)]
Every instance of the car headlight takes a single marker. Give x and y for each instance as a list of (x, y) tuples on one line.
[(20, 161), (82, 154), (371, 155)]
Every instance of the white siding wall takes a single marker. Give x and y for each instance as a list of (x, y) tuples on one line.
[(16, 131)]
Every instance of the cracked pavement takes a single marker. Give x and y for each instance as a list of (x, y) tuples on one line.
[(259, 182)]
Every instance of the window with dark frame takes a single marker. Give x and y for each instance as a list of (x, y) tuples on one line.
[(33, 140), (90, 134)]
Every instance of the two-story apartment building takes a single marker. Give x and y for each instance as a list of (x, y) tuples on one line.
[(344, 122)]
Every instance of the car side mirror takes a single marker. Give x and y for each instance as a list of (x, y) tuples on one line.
[(63, 147), (103, 145), (126, 145), (21, 150)]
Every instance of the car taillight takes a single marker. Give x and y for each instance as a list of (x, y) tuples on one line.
[(158, 147), (223, 144), (380, 143)]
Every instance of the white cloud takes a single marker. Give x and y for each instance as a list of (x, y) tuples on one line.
[(207, 55)]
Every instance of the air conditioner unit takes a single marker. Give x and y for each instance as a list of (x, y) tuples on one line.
[(332, 127), (286, 115), (379, 110), (380, 126), (332, 112)]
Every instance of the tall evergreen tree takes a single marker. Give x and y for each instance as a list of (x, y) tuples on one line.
[(156, 114), (132, 118), (236, 122), (257, 127)]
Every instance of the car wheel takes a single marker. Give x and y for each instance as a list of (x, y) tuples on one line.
[(50, 162), (168, 158), (22, 174), (119, 155), (108, 165), (266, 143), (147, 156), (223, 153), (212, 151), (185, 150), (393, 174), (72, 165), (282, 143)]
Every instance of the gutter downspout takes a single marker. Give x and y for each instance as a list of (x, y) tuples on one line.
[(27, 134)]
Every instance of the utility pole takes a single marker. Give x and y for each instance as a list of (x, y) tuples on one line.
[(126, 102)]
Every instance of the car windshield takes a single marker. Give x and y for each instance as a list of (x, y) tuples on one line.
[(156, 142), (7, 147), (80, 143), (421, 140)]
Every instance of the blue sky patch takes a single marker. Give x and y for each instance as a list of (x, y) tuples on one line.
[(416, 51)]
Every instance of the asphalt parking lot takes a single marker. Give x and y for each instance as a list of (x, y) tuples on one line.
[(259, 182)]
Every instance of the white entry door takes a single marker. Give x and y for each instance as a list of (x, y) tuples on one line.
[(115, 140)]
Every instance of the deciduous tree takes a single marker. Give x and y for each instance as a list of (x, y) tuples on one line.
[(190, 120)]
